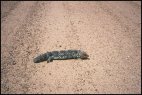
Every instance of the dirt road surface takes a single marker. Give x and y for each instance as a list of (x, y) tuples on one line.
[(109, 32)]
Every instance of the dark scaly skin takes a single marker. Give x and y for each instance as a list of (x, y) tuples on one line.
[(61, 55)]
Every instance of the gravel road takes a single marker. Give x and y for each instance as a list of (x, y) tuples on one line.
[(110, 32)]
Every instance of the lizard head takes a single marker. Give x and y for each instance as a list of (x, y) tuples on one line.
[(84, 55)]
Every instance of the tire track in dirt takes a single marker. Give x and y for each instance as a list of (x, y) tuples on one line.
[(128, 42), (34, 32), (130, 31), (17, 50), (115, 41)]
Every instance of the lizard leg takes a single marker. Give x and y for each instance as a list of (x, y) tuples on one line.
[(49, 60)]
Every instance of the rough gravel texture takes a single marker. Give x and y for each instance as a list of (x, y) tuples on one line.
[(110, 33)]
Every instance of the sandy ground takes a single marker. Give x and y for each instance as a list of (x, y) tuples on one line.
[(109, 32)]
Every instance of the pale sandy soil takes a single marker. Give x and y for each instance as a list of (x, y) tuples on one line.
[(109, 32)]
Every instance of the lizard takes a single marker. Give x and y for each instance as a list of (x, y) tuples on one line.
[(61, 55)]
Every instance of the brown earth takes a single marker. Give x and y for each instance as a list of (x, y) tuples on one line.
[(109, 32)]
